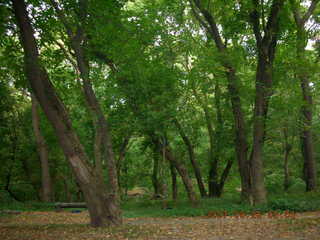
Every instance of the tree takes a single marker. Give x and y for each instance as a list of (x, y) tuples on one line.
[(102, 209), (46, 187), (304, 75)]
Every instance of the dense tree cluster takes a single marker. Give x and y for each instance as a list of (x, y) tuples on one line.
[(98, 97)]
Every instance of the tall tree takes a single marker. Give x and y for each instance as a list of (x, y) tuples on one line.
[(208, 21), (102, 209), (303, 74), (266, 35)]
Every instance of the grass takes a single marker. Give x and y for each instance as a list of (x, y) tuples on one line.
[(144, 207), (301, 202)]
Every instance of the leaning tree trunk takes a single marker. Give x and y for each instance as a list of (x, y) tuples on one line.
[(184, 175), (194, 162), (180, 168), (103, 142), (98, 201), (46, 185)]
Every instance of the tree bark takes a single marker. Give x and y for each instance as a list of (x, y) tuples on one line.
[(102, 211), (46, 184), (194, 162), (266, 46)]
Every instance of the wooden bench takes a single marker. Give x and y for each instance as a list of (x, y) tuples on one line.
[(61, 205)]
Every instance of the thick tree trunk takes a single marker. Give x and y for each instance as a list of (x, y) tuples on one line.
[(103, 141), (101, 209), (194, 162), (263, 87), (46, 185), (266, 47)]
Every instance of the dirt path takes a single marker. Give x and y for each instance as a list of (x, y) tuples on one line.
[(65, 225)]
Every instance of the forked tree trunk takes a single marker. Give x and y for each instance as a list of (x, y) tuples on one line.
[(46, 185), (266, 42), (241, 141), (192, 157), (180, 168), (103, 143), (102, 211)]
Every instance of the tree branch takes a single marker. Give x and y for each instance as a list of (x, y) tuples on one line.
[(310, 11), (255, 17), (213, 28)]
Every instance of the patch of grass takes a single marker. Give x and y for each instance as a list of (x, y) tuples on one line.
[(230, 204), (26, 206)]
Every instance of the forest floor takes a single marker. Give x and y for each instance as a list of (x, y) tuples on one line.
[(67, 225)]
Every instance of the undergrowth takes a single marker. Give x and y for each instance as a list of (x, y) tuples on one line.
[(229, 204)]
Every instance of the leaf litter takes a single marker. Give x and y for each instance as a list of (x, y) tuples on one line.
[(66, 225)]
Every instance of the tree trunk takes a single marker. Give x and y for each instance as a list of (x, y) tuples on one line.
[(194, 162), (174, 183), (155, 171), (46, 185), (184, 175), (102, 211), (240, 139), (310, 173), (263, 76), (123, 149), (266, 47), (241, 144), (180, 168), (215, 184), (103, 141)]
